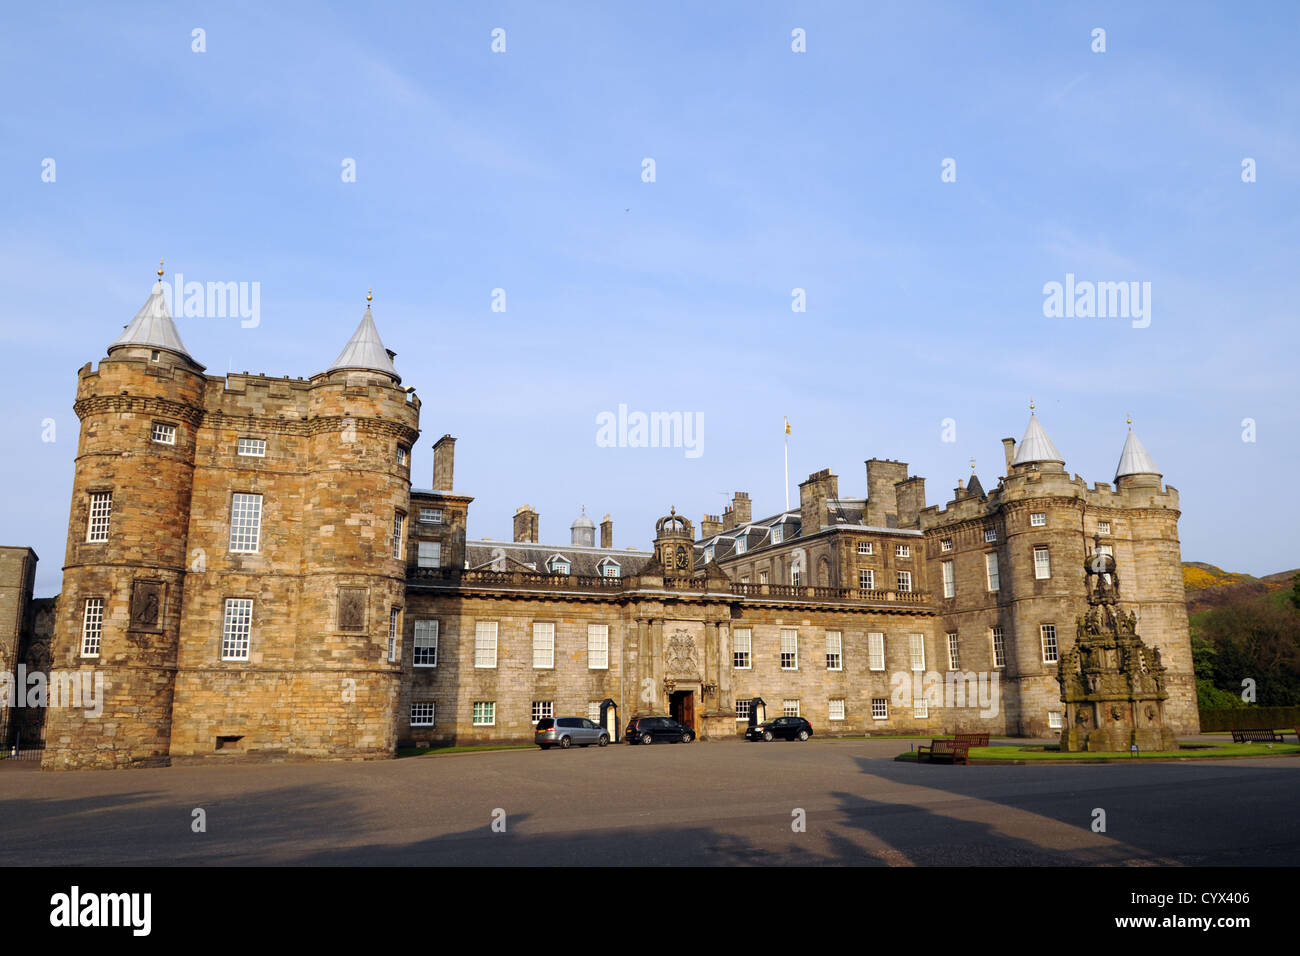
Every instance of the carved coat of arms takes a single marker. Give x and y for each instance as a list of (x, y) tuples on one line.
[(679, 655)]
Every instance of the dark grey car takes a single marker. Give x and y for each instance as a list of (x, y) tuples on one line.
[(567, 731)]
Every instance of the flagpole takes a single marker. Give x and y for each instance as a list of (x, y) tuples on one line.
[(787, 464)]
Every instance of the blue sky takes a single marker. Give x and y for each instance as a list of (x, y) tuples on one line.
[(774, 171)]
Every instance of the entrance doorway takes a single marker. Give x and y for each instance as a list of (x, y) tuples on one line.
[(681, 707)]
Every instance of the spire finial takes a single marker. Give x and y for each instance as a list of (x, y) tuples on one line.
[(160, 269), (972, 466), (1130, 419), (1031, 404), (370, 295)]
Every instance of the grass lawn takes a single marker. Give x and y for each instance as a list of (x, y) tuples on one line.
[(437, 751), (1051, 752)]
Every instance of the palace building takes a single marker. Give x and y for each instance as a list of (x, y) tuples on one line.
[(253, 575)]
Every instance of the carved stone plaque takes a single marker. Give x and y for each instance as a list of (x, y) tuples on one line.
[(679, 655), (352, 608), (147, 605)]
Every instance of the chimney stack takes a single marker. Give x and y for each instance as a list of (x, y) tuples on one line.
[(607, 532), (1009, 448), (742, 509), (711, 525), (444, 463), (526, 525)]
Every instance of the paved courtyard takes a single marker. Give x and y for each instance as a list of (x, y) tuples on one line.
[(703, 803)]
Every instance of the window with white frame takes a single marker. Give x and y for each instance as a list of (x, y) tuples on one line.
[(990, 534), (866, 579), (834, 651), (790, 708), (101, 509), (1054, 719), (431, 516), (876, 652), (399, 523), (425, 651), (593, 711), (611, 569), (245, 523), (776, 534), (835, 708), (394, 629), (1042, 563), (991, 571), (796, 577), (163, 433), (903, 551), (236, 629), (92, 627), (1038, 519), (1103, 527), (999, 646), (559, 566), (597, 647), (485, 713), (1048, 635), (866, 547), (742, 646), (543, 645), (543, 708), (422, 713), (904, 580), (954, 652), (251, 447), (762, 576), (743, 708), (916, 650), (949, 579), (740, 544), (485, 644), (789, 649), (880, 708), (708, 555), (428, 554), (403, 454), (920, 707), (945, 545)]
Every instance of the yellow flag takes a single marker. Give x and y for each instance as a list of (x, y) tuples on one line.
[(787, 426)]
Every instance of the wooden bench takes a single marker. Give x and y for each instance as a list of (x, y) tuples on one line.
[(956, 750), (1243, 736), (975, 740)]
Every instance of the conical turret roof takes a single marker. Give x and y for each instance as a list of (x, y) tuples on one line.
[(1036, 446), (1134, 459), (365, 351), (153, 327)]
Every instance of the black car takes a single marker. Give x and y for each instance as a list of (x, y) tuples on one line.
[(646, 730), (787, 728)]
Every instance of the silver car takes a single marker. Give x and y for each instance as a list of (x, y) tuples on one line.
[(567, 731)]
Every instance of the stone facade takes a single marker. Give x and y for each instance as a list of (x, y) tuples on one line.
[(252, 574)]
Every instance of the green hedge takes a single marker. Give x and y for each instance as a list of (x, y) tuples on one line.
[(1220, 719)]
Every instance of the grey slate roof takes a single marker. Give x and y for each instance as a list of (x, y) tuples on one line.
[(524, 556), (1134, 459), (1036, 446), (153, 327), (365, 351)]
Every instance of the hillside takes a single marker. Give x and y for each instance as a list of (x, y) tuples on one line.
[(1208, 586)]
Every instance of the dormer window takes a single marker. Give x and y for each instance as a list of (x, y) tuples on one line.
[(776, 534), (740, 545), (708, 555), (609, 568), (560, 565)]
